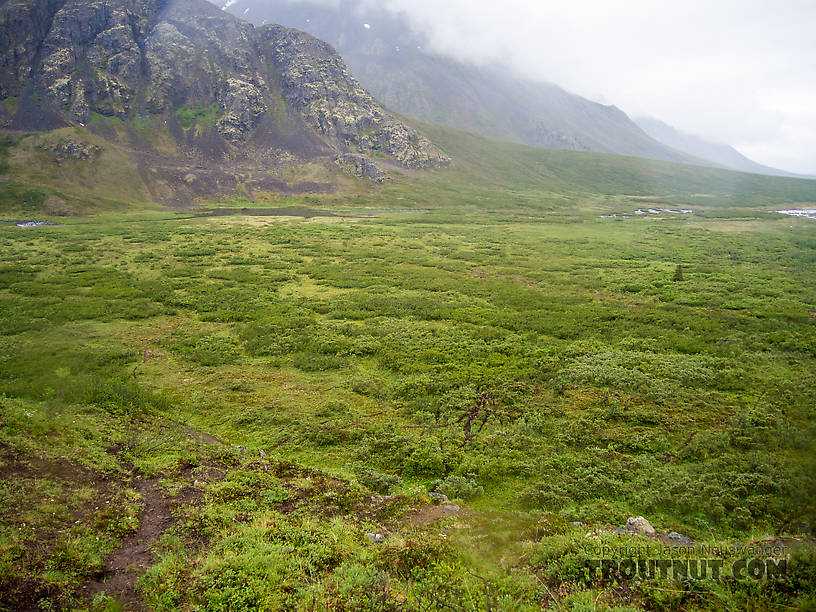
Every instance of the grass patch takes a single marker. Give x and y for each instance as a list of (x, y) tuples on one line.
[(203, 116)]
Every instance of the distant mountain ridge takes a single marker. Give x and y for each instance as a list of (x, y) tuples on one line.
[(722, 154), (389, 59)]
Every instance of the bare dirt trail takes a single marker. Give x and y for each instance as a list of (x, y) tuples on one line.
[(131, 560), (127, 564)]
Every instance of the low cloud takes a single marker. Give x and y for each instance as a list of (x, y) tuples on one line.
[(731, 71)]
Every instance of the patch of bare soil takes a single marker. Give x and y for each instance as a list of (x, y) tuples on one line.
[(127, 564), (180, 183), (428, 515), (124, 567), (13, 465)]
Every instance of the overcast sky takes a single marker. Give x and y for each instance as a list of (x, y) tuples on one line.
[(736, 71)]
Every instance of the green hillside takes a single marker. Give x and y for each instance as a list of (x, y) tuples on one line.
[(518, 166)]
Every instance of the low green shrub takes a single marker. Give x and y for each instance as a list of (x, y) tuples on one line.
[(377, 481), (458, 487)]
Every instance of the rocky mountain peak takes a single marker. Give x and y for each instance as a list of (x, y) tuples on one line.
[(221, 88)]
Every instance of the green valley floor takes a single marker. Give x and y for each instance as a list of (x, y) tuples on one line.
[(345, 407)]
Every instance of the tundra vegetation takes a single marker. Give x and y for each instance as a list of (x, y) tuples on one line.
[(249, 396)]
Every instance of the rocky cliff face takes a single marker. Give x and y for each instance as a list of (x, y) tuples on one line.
[(220, 88), (317, 84)]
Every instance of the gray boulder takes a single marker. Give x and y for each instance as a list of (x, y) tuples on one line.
[(640, 526), (680, 538)]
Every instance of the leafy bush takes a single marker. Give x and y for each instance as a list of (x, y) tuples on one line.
[(332, 434), (280, 332), (459, 487), (117, 396), (424, 461), (209, 350), (248, 490), (377, 481)]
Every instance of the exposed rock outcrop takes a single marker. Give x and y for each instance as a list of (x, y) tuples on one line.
[(361, 167), (219, 88), (316, 82), (71, 149)]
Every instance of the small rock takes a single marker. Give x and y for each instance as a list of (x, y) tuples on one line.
[(639, 525), (678, 537), (450, 508), (576, 524), (241, 449), (375, 538), (439, 497)]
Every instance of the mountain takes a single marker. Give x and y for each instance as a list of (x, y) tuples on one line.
[(719, 153), (389, 58), (182, 85)]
